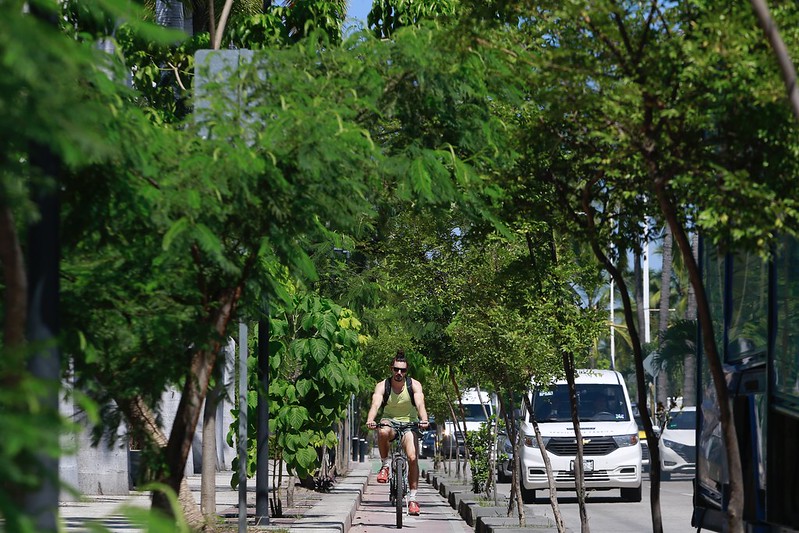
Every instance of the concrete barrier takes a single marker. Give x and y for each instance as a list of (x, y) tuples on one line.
[(470, 511), (493, 524), (336, 510)]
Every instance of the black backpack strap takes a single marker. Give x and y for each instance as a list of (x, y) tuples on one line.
[(386, 391), (409, 384)]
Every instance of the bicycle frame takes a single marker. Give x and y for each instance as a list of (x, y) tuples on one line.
[(399, 467)]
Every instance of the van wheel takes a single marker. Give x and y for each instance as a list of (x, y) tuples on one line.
[(665, 476), (631, 495), (528, 495)]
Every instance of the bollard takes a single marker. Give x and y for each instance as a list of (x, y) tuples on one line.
[(363, 450), (356, 445)]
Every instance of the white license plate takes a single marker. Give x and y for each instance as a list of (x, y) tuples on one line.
[(588, 465)]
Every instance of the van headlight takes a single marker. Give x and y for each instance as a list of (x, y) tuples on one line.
[(623, 441), (530, 442)]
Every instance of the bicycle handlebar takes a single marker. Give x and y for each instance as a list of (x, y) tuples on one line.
[(398, 425)]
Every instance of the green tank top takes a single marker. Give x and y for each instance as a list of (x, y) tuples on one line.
[(399, 406)]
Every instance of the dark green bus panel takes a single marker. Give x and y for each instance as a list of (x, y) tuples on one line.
[(755, 312)]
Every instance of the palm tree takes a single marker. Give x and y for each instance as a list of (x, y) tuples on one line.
[(663, 317), (678, 342)]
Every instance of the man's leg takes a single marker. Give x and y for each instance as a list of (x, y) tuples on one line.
[(384, 436), (411, 444)]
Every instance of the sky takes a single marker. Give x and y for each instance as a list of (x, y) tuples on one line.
[(358, 9)]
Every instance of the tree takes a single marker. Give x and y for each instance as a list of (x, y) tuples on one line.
[(644, 117), (314, 368)]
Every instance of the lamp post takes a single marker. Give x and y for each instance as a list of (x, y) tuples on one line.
[(262, 458)]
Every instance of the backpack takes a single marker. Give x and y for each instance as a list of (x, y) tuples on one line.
[(387, 391)]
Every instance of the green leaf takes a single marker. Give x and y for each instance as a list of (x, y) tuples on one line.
[(304, 386), (208, 240), (307, 321), (319, 348), (174, 231), (296, 416), (327, 325)]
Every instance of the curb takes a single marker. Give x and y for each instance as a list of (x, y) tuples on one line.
[(484, 519), (334, 513)]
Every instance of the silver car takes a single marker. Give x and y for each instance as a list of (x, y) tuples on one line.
[(504, 458)]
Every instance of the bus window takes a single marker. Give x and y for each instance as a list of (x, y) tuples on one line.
[(748, 310), (786, 345)]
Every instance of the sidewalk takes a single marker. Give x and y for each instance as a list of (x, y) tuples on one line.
[(375, 513), (109, 511), (313, 511), (357, 504)]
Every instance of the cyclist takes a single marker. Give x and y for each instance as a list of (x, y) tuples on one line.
[(402, 400)]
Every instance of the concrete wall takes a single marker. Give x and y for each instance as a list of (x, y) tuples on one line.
[(104, 469)]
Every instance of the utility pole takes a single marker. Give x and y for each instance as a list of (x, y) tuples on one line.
[(41, 503), (243, 408), (262, 413)]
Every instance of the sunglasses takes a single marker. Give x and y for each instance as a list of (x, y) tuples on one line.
[(398, 369)]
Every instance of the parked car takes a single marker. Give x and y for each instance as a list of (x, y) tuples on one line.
[(642, 436), (428, 445), (452, 445), (504, 458), (678, 443)]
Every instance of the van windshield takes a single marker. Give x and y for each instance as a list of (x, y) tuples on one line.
[(474, 411), (596, 403)]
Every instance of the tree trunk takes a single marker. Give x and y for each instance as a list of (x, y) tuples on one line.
[(735, 503), (209, 462), (689, 362), (780, 51), (663, 314), (142, 419), (466, 454), (192, 398), (15, 301), (638, 284), (492, 455), (579, 474), (290, 492), (553, 491), (635, 341), (515, 487), (454, 436)]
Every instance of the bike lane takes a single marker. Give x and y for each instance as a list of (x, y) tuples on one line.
[(375, 512)]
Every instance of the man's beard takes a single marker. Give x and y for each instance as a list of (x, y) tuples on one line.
[(397, 377)]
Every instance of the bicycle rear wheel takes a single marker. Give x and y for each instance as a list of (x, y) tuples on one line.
[(399, 487)]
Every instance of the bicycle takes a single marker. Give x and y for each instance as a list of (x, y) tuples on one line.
[(398, 487)]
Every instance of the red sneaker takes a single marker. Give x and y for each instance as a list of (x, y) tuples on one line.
[(382, 476), (413, 508)]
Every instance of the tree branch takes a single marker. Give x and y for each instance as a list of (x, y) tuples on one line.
[(781, 51)]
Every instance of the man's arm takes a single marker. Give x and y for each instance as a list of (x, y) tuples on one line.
[(377, 401), (418, 396)]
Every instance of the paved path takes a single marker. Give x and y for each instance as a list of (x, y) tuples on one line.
[(375, 513)]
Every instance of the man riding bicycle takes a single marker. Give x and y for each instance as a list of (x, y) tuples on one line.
[(402, 400)]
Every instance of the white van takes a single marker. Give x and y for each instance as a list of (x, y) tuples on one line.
[(611, 448), (475, 406)]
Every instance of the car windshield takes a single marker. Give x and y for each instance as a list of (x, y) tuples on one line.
[(682, 420), (596, 403)]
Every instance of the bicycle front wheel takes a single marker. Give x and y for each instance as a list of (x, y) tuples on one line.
[(399, 487)]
